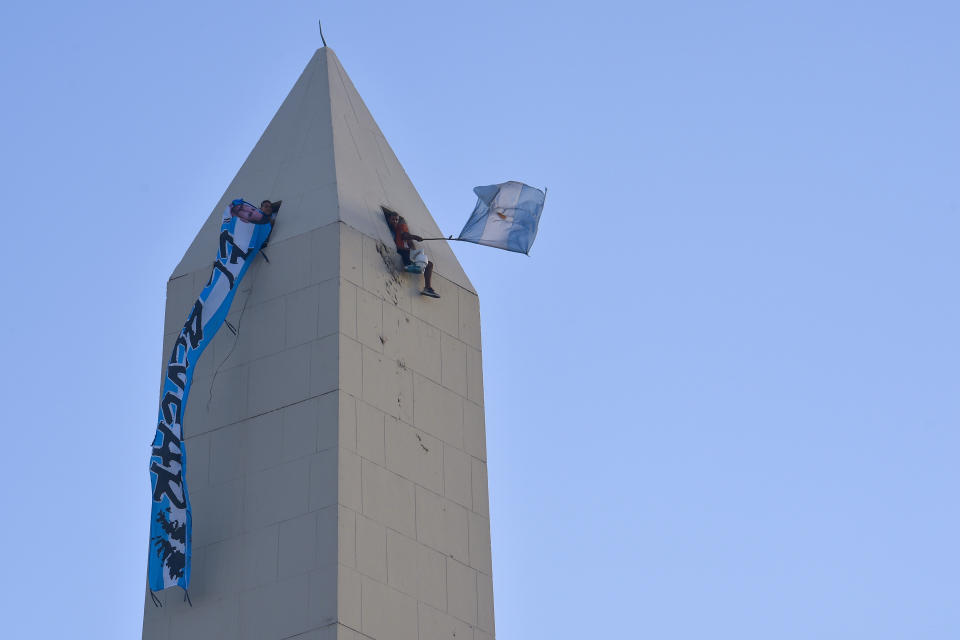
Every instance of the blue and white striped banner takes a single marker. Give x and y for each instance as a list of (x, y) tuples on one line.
[(243, 233)]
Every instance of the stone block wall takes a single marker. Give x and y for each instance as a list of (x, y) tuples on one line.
[(336, 454)]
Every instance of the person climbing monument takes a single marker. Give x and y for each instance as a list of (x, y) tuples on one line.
[(270, 208), (406, 247)]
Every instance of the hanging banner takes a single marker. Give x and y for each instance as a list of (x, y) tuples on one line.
[(244, 232)]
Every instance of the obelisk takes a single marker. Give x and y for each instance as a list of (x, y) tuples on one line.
[(336, 455)]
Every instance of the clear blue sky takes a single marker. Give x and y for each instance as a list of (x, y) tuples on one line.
[(722, 393)]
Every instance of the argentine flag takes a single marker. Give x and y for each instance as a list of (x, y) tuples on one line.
[(506, 216)]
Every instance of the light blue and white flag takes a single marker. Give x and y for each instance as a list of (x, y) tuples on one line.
[(506, 216), (243, 233)]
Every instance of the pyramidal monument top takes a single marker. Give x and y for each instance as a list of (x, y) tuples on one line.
[(325, 157)]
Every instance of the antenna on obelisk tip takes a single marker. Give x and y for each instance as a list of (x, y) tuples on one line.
[(322, 39)]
